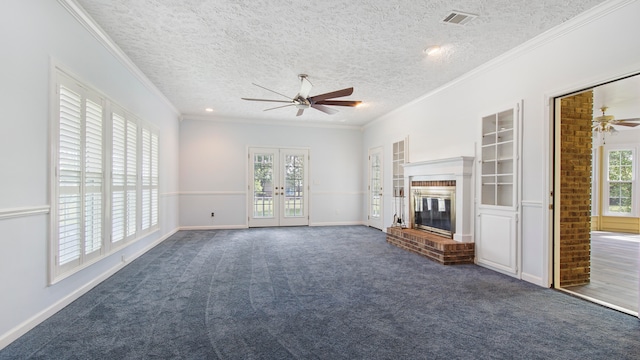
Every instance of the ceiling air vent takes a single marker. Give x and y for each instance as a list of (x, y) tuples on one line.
[(459, 18)]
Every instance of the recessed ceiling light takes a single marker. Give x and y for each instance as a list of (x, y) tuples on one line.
[(432, 50), (208, 110)]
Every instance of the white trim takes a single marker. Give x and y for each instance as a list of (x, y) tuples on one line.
[(634, 179), (537, 280), (599, 302), (268, 122), (215, 227), (169, 194), (113, 248), (24, 327), (548, 36), (541, 280), (340, 223), (355, 193), (24, 211), (94, 29), (531, 203), (211, 193)]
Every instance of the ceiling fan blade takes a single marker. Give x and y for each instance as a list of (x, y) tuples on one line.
[(305, 86), (280, 101), (277, 107), (339, 102), (300, 111), (331, 95), (275, 92), (324, 109), (619, 122)]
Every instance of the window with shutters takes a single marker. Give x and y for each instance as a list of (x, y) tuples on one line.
[(80, 175), (149, 179), (124, 177), (95, 140)]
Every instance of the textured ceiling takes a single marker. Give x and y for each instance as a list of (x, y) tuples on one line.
[(206, 53)]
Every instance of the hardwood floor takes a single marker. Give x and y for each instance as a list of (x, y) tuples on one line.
[(614, 270)]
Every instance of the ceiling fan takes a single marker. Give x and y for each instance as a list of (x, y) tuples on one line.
[(303, 101), (605, 122)]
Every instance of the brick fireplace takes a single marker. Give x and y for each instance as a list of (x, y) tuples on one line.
[(440, 207)]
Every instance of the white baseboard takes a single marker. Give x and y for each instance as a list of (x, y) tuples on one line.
[(16, 332), (341, 223), (534, 279), (218, 227)]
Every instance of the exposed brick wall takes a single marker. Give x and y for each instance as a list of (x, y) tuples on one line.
[(434, 183), (575, 189)]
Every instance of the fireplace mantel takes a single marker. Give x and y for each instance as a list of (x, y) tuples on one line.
[(459, 169)]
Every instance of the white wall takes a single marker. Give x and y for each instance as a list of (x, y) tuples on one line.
[(214, 168), (593, 48), (34, 34)]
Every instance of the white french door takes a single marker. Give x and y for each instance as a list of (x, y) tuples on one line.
[(278, 187), (375, 188)]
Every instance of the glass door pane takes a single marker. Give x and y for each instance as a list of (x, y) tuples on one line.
[(375, 188), (263, 185), (294, 185)]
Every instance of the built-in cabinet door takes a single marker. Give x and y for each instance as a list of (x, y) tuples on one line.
[(375, 188), (278, 187), (497, 241), (498, 199)]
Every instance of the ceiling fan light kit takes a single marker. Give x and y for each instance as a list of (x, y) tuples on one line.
[(302, 100), (606, 124)]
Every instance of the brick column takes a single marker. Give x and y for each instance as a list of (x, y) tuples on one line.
[(575, 189)]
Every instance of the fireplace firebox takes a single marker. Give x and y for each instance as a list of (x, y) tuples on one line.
[(433, 207)]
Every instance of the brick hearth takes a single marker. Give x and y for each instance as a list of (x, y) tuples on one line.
[(443, 250)]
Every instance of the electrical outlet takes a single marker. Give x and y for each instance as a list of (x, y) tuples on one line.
[(213, 214)]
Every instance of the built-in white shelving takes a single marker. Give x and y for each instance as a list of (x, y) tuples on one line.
[(498, 159)]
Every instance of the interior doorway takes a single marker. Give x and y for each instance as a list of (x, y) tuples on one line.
[(596, 237)]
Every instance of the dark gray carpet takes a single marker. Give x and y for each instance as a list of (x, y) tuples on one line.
[(320, 293)]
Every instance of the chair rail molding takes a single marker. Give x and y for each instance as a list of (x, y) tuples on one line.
[(24, 211)]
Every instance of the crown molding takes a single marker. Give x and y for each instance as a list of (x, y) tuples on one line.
[(546, 37), (298, 123), (94, 29)]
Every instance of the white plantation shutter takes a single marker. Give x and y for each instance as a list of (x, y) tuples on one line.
[(149, 186), (146, 179), (154, 179), (80, 175), (124, 173), (132, 132), (118, 179), (93, 178), (69, 176)]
